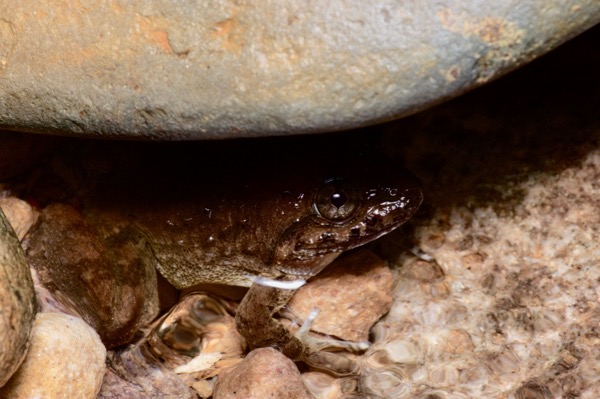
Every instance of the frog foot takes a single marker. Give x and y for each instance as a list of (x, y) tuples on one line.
[(316, 344), (340, 364)]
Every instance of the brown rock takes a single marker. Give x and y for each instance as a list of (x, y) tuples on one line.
[(264, 373), (115, 292), (351, 295), (17, 302), (66, 360), (132, 374)]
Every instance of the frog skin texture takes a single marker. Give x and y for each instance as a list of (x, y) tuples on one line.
[(282, 211)]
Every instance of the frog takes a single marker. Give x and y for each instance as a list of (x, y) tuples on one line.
[(239, 213)]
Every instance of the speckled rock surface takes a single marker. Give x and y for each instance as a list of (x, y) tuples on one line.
[(263, 373), (66, 360), (499, 296), (159, 69), (17, 302)]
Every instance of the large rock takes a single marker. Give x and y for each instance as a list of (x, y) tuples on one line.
[(225, 69), (111, 285), (17, 302)]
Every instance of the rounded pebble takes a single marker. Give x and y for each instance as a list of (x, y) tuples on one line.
[(66, 360), (264, 373)]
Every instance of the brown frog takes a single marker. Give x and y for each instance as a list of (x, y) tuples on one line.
[(281, 209)]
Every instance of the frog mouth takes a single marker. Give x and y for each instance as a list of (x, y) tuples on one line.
[(308, 267), (315, 237)]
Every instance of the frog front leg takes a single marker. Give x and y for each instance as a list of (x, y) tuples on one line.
[(254, 320)]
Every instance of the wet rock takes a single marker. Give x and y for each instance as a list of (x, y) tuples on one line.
[(351, 295), (324, 386), (17, 302), (115, 292), (264, 373), (189, 345), (66, 360), (133, 373), (195, 335), (193, 70)]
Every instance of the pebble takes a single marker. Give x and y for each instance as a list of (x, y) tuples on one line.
[(20, 215), (264, 373), (66, 360), (351, 295)]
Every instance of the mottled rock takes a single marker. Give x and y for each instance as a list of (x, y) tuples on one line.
[(20, 215), (497, 294), (65, 360), (133, 373), (165, 70), (17, 302), (114, 291), (264, 373), (351, 295)]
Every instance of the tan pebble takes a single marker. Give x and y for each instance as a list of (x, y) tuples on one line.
[(351, 295), (264, 373), (423, 271), (20, 215), (458, 341), (66, 360), (385, 384), (324, 386), (17, 302)]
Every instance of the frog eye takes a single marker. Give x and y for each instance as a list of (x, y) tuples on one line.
[(336, 200)]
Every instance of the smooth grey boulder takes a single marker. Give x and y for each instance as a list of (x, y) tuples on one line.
[(193, 70)]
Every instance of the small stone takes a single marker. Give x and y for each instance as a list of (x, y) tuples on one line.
[(20, 215), (65, 360), (17, 302), (351, 295), (324, 386), (264, 373), (115, 292)]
